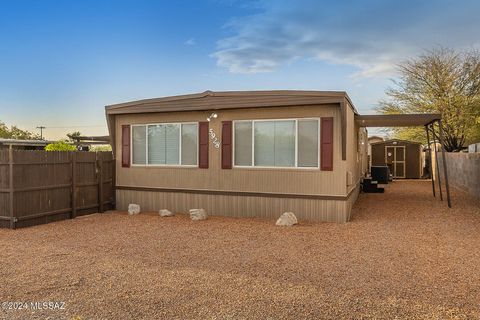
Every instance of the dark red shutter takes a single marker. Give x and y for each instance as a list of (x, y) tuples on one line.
[(126, 145), (326, 145), (203, 145), (226, 144)]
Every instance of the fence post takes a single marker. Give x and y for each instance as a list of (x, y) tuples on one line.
[(11, 195), (74, 186), (100, 180), (113, 167)]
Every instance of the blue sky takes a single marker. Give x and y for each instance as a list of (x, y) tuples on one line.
[(61, 62)]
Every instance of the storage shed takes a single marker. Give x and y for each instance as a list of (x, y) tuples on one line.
[(404, 158)]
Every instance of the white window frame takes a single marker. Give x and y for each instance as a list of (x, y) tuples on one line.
[(253, 166), (146, 145)]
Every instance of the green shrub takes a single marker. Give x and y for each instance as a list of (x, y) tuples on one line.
[(60, 146), (100, 148)]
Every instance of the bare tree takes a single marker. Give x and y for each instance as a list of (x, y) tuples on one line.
[(440, 81)]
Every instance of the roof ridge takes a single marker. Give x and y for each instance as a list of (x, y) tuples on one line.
[(228, 93)]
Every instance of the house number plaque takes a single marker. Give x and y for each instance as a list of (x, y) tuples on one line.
[(214, 138)]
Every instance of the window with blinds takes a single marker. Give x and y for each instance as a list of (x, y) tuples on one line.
[(276, 143), (139, 145), (165, 144)]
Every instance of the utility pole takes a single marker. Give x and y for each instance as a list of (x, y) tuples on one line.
[(41, 131)]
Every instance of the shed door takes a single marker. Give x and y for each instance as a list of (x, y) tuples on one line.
[(399, 162), (395, 160), (389, 159)]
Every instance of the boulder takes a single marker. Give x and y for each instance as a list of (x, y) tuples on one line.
[(198, 214), (287, 219), (133, 209), (165, 213)]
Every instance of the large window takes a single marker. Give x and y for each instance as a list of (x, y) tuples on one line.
[(165, 144), (276, 143)]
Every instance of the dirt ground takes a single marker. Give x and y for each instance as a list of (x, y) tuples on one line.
[(403, 255)]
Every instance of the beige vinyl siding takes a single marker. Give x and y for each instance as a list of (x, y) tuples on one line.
[(292, 180), (356, 155), (351, 201), (312, 210), (209, 188)]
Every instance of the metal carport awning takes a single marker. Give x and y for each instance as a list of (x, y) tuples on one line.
[(428, 120), (397, 120)]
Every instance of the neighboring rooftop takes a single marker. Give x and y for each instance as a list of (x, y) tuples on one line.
[(375, 137), (17, 142), (92, 140)]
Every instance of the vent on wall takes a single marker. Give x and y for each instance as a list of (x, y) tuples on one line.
[(349, 178)]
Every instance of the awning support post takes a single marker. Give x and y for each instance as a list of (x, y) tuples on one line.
[(440, 128), (436, 162), (430, 160)]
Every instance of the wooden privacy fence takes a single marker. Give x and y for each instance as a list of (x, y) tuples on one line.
[(43, 186)]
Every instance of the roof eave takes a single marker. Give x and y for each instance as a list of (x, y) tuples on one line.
[(397, 120), (398, 140), (199, 104)]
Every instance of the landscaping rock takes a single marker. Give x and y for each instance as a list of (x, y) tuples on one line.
[(198, 214), (287, 219), (165, 213), (133, 209)]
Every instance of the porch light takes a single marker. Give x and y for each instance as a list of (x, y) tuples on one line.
[(212, 116)]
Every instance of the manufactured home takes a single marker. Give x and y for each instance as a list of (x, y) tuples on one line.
[(241, 154)]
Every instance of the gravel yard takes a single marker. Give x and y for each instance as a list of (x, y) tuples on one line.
[(404, 254)]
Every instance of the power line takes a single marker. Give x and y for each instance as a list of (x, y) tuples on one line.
[(86, 126), (67, 127)]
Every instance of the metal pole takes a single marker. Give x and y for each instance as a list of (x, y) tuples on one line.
[(430, 160), (440, 128), (41, 131), (436, 163)]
